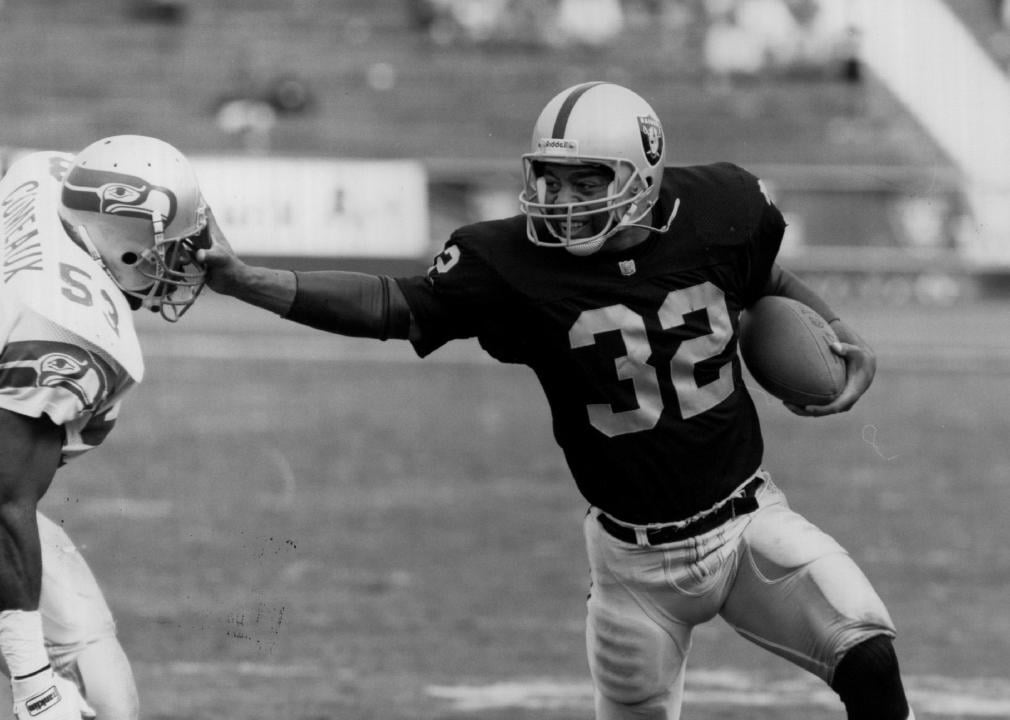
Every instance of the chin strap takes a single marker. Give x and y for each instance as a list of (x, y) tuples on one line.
[(159, 228), (663, 229), (151, 300), (89, 246)]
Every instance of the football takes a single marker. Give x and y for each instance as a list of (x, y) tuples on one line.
[(785, 346)]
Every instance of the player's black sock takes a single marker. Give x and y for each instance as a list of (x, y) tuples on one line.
[(868, 681)]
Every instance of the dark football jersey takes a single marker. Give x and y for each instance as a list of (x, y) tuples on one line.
[(637, 350)]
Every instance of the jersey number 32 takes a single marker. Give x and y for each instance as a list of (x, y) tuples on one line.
[(692, 398)]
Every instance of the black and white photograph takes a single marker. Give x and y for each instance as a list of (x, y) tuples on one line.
[(504, 359)]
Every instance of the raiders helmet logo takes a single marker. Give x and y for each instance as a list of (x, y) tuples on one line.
[(652, 138), (112, 193)]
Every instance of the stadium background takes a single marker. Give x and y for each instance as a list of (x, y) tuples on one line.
[(288, 523)]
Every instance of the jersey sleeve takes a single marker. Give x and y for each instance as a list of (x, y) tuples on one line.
[(753, 209), (44, 377), (46, 369), (762, 251), (77, 388), (90, 430), (456, 298)]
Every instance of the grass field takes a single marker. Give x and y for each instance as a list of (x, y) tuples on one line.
[(293, 525)]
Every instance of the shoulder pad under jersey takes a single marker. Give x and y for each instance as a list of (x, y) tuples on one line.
[(501, 251), (721, 200), (475, 255)]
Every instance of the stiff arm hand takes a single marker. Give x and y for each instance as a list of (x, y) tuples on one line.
[(268, 288)]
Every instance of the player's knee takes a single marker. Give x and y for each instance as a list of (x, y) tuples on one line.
[(74, 612), (108, 681), (628, 684), (868, 681), (69, 640), (629, 662), (120, 705)]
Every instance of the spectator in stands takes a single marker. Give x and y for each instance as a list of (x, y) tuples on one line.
[(472, 21), (825, 33), (421, 15), (749, 38), (162, 11), (729, 49), (589, 23)]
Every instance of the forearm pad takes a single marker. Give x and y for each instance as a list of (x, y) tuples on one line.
[(348, 303)]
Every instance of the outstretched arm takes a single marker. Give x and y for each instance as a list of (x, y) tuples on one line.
[(268, 288), (345, 303), (860, 360)]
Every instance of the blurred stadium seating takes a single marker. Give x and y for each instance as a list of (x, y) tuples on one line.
[(74, 71), (361, 79)]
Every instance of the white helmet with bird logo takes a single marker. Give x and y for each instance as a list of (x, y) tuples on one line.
[(134, 204)]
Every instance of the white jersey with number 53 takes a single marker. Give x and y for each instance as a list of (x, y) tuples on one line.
[(69, 348)]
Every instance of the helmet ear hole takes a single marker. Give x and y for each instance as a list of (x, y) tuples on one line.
[(130, 258)]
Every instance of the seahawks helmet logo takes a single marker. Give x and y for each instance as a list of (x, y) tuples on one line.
[(112, 193), (652, 138)]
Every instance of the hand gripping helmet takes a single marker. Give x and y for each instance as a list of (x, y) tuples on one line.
[(133, 204), (600, 124)]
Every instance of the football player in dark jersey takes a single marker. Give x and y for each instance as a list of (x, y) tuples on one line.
[(621, 284)]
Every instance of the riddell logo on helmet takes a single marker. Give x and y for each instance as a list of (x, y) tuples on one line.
[(558, 146)]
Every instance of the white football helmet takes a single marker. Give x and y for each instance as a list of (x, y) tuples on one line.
[(134, 204), (602, 124)]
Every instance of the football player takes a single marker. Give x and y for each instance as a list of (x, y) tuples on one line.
[(621, 284), (85, 240)]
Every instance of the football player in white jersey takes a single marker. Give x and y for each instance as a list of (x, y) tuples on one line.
[(84, 240)]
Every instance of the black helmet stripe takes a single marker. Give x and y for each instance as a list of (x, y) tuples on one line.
[(561, 121)]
